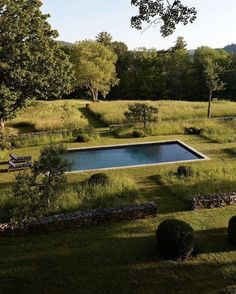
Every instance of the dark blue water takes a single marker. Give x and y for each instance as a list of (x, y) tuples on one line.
[(129, 156)]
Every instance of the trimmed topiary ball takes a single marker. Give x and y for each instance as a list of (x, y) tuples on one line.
[(232, 230), (100, 178), (138, 134), (82, 138), (192, 131), (175, 239), (184, 171)]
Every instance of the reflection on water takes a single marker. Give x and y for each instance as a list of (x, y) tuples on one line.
[(129, 156)]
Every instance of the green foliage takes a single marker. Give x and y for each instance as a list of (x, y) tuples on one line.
[(175, 239), (82, 138), (192, 131), (141, 113), (168, 15), (232, 230), (212, 73), (94, 66), (104, 38), (99, 178), (118, 191), (39, 190), (184, 171), (32, 65)]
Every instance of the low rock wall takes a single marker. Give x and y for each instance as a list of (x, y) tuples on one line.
[(214, 201), (81, 218)]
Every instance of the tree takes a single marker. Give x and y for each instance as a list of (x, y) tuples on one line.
[(212, 77), (95, 68), (119, 48), (39, 189), (141, 112), (104, 38), (32, 65), (166, 13), (180, 44)]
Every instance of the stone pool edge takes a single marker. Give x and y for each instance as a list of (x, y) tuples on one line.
[(191, 149)]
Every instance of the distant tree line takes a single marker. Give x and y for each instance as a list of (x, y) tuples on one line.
[(174, 74)]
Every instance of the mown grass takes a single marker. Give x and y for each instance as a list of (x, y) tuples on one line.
[(113, 112), (122, 258), (44, 116)]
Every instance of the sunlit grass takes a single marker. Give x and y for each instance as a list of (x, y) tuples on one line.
[(48, 115), (112, 112)]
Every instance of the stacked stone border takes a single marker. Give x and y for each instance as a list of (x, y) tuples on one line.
[(81, 218), (214, 201)]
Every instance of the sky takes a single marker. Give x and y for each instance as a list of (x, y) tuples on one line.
[(76, 20)]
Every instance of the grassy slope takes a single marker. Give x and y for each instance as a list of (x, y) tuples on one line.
[(113, 112), (122, 258), (43, 115)]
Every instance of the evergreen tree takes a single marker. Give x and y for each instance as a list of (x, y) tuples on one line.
[(31, 63), (104, 38)]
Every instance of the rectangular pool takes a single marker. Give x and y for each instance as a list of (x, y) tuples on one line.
[(132, 155)]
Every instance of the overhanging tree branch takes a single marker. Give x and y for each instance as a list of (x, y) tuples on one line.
[(164, 13)]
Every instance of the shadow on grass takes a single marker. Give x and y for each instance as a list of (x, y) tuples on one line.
[(178, 197), (92, 118), (100, 260), (230, 151), (24, 127), (213, 241)]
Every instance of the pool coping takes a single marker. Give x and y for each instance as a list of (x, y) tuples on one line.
[(191, 149)]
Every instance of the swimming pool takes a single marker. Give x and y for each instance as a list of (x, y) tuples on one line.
[(131, 155)]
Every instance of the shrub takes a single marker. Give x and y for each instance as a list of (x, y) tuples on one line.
[(175, 239), (5, 145), (228, 290), (82, 138), (185, 171), (138, 134), (100, 178), (192, 131), (232, 230)]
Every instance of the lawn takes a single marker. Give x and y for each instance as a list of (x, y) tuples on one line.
[(122, 258)]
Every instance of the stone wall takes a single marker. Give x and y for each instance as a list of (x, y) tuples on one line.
[(214, 201), (82, 218)]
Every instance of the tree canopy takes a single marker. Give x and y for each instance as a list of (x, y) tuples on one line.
[(167, 13), (94, 66), (31, 63)]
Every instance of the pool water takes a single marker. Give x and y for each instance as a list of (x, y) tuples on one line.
[(129, 155)]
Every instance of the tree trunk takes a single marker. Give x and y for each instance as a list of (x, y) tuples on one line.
[(209, 105), (95, 95), (2, 124)]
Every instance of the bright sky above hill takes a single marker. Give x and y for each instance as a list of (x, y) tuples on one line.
[(77, 20)]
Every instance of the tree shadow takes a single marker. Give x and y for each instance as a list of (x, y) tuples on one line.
[(178, 197), (213, 241), (92, 118), (230, 151), (105, 260), (24, 127)]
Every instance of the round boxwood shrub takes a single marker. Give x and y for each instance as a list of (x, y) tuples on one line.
[(82, 138), (192, 131), (232, 230), (138, 134), (175, 239), (100, 178), (184, 171)]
